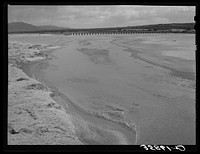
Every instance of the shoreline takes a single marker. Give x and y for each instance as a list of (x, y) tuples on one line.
[(99, 124), (63, 100)]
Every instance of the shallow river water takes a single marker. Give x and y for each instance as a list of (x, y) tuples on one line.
[(146, 80)]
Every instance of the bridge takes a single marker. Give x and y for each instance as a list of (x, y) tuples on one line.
[(115, 33)]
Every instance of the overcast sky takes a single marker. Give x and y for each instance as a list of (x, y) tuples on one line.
[(91, 16)]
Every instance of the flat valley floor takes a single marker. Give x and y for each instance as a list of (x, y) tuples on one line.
[(146, 81)]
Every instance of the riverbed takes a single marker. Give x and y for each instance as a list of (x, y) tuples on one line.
[(145, 81)]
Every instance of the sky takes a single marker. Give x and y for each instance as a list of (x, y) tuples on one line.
[(96, 16)]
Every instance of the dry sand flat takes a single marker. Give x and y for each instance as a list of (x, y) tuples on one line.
[(33, 117)]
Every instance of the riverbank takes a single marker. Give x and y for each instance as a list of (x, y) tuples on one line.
[(40, 115)]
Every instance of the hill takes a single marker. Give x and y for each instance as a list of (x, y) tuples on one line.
[(21, 26), (25, 27)]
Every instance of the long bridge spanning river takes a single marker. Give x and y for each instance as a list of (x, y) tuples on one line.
[(92, 32), (113, 33)]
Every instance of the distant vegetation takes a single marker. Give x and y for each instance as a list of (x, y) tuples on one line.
[(173, 27), (186, 26)]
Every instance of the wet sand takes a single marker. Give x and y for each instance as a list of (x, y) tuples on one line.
[(122, 134)]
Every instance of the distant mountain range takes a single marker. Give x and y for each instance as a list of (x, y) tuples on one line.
[(24, 27), (16, 27)]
